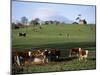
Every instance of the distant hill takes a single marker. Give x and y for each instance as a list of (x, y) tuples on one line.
[(59, 18)]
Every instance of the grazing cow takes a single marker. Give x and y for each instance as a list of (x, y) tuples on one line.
[(74, 51), (83, 54), (22, 34)]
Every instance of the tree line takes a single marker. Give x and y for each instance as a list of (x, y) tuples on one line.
[(25, 22)]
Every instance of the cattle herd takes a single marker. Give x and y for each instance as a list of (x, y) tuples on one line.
[(42, 56)]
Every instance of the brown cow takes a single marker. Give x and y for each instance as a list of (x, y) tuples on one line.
[(83, 54), (74, 51), (16, 58), (19, 57), (54, 54)]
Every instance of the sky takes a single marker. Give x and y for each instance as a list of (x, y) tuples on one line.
[(33, 10)]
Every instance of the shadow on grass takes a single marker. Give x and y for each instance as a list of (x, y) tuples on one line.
[(66, 45), (62, 59), (69, 45), (92, 59)]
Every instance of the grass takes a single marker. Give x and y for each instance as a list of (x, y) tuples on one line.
[(56, 36), (66, 65), (49, 36)]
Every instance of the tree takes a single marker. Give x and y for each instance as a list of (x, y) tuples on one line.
[(56, 22), (32, 22), (51, 22), (46, 22), (74, 23), (35, 21), (24, 20), (13, 25)]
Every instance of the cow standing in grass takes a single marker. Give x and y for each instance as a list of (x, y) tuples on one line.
[(20, 57), (83, 54), (73, 52), (22, 34), (54, 54), (16, 58)]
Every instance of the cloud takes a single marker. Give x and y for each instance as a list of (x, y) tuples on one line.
[(44, 13)]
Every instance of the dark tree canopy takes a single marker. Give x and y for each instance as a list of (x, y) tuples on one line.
[(35, 21), (24, 20)]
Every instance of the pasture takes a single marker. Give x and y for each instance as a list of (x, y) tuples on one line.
[(59, 36)]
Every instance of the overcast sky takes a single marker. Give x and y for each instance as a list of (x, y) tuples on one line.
[(43, 10)]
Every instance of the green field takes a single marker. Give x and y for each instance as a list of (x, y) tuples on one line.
[(62, 37), (49, 37)]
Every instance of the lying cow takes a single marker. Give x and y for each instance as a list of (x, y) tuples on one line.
[(83, 54), (39, 56)]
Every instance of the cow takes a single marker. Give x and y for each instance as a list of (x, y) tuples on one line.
[(83, 54), (22, 34), (74, 51), (15, 58), (54, 54), (19, 57), (39, 56)]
